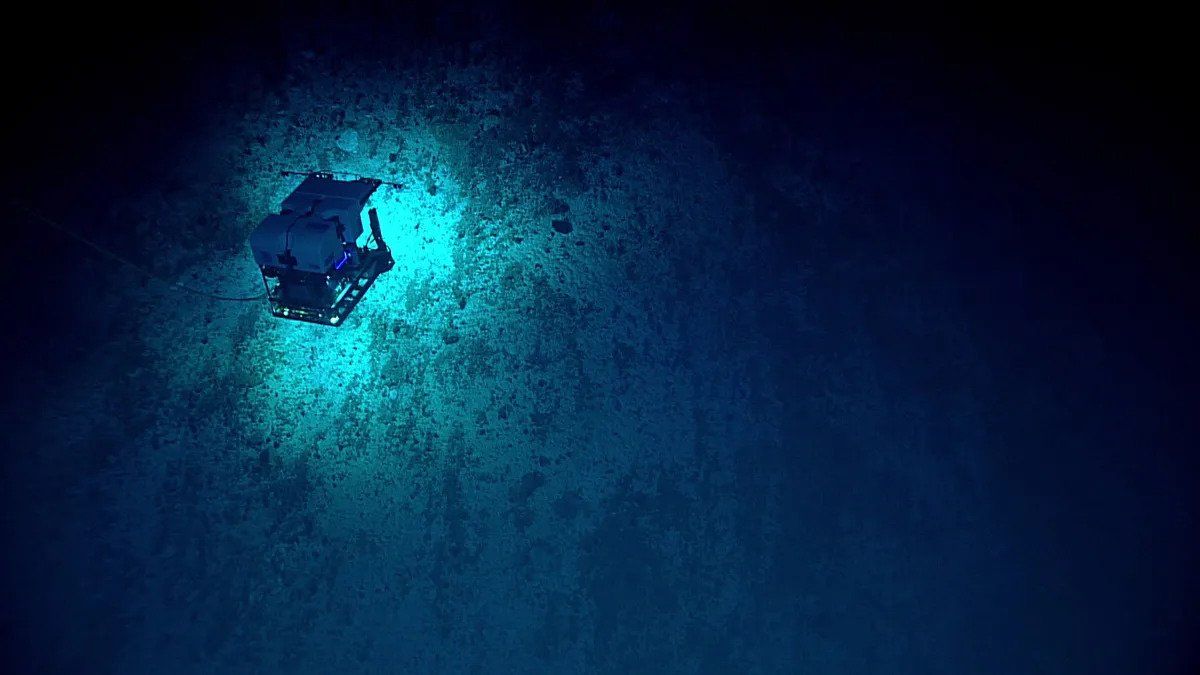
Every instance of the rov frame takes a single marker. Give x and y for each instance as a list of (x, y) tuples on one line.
[(327, 297)]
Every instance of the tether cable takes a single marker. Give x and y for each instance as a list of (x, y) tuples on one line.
[(125, 261)]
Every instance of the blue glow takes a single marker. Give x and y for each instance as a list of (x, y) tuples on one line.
[(345, 257)]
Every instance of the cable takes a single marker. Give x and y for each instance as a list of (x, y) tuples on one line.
[(125, 261)]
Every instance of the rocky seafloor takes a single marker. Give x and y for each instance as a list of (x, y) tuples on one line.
[(625, 404)]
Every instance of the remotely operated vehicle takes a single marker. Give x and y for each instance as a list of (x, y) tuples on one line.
[(312, 265)]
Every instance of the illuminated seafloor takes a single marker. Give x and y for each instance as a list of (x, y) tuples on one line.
[(625, 404)]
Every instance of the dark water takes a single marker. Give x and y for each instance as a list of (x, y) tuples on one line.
[(715, 344)]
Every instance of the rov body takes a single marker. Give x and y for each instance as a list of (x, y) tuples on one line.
[(312, 266)]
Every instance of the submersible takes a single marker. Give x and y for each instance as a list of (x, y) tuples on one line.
[(312, 266)]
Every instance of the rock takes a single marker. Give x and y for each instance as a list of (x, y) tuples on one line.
[(348, 141), (561, 226)]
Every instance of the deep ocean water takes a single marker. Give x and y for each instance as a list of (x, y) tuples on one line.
[(658, 384)]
